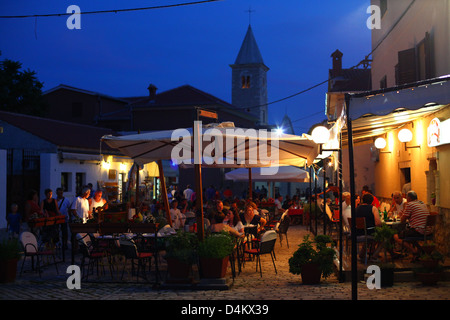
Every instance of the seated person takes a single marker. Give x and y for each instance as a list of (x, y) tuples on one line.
[(416, 213), (219, 226), (250, 218), (233, 220), (177, 217), (398, 203), (370, 212)]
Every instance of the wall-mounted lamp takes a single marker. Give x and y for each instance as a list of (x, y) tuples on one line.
[(405, 136), (321, 135), (380, 143)]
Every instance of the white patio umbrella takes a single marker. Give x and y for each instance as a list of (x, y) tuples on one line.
[(222, 145), (217, 145), (284, 174)]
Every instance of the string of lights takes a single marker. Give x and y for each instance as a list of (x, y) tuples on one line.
[(108, 11)]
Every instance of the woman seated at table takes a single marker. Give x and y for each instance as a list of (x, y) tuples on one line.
[(219, 226), (250, 218), (371, 215), (232, 219)]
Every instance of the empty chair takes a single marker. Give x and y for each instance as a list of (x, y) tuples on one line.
[(32, 249), (283, 227), (266, 246), (93, 253), (130, 252)]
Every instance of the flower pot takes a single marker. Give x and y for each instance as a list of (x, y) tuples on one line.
[(213, 267), (429, 278), (387, 277), (177, 269), (8, 270), (311, 274)]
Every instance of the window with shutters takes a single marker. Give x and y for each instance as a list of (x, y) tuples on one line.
[(383, 82), (415, 64), (383, 7)]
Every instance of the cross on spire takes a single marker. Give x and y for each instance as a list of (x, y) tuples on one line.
[(249, 14)]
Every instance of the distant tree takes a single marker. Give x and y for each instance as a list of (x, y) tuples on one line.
[(20, 91)]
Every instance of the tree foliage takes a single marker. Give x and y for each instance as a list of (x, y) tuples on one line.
[(20, 90)]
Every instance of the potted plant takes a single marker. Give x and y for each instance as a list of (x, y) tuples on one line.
[(313, 259), (214, 252), (181, 253), (431, 270), (384, 236), (10, 250)]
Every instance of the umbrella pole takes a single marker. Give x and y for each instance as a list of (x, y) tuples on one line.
[(250, 189), (136, 199), (198, 181), (164, 192)]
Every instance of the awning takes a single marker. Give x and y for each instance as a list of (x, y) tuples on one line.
[(375, 113)]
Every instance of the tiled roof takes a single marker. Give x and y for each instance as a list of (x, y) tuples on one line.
[(59, 133), (183, 95)]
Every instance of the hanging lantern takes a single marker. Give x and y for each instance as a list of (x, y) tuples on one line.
[(405, 135)]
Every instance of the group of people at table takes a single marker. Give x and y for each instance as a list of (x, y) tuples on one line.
[(410, 213), (223, 218)]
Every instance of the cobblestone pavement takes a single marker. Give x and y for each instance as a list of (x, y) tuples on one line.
[(248, 285)]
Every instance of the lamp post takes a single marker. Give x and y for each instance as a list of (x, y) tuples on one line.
[(321, 135)]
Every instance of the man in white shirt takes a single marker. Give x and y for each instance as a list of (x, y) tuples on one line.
[(398, 202), (278, 204), (80, 207), (187, 193)]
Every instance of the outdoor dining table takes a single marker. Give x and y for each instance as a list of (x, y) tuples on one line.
[(142, 234)]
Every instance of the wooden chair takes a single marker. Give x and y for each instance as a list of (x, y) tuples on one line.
[(428, 232)]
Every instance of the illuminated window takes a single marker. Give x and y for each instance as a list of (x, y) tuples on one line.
[(245, 82)]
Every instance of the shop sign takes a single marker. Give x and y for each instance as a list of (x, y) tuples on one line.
[(438, 132)]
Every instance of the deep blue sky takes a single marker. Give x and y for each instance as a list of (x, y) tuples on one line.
[(120, 54)]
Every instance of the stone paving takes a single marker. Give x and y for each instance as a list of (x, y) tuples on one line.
[(248, 285)]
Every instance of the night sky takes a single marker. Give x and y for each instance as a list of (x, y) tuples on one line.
[(120, 54)]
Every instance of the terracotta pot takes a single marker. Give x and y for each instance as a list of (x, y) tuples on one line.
[(311, 274), (177, 269), (8, 270), (213, 267)]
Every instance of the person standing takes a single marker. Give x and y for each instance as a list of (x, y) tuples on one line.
[(64, 207), (80, 207), (49, 205), (13, 219), (187, 193)]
